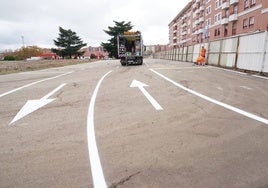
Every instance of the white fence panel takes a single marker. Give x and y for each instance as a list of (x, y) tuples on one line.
[(196, 52), (184, 57), (190, 53), (250, 52), (265, 66), (180, 54), (214, 52), (265, 55), (228, 52)]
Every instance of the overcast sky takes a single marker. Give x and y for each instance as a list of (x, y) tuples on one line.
[(38, 21)]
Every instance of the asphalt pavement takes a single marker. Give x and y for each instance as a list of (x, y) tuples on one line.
[(162, 124)]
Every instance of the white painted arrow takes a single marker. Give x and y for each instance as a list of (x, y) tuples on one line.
[(141, 86), (33, 105)]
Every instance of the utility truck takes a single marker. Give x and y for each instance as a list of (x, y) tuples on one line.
[(130, 48)]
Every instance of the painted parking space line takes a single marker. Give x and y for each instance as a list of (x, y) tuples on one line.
[(95, 164), (33, 83), (227, 106)]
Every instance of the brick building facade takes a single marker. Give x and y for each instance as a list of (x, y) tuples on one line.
[(206, 20)]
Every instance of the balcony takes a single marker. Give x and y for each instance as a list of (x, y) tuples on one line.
[(225, 5), (233, 17), (197, 11), (183, 41), (201, 8), (233, 2), (194, 15), (184, 33), (196, 22), (199, 31), (224, 21), (201, 20)]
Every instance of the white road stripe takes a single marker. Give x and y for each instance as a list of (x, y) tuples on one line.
[(96, 169), (33, 105), (246, 87), (141, 86), (180, 68), (242, 112), (28, 85), (237, 72), (260, 77)]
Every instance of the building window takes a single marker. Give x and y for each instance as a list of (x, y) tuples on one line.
[(226, 14), (246, 5), (245, 23), (253, 2), (208, 10), (217, 32), (251, 21), (208, 22), (217, 18), (225, 31), (235, 9), (234, 28), (218, 4)]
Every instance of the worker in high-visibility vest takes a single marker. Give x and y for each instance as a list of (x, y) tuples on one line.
[(201, 59)]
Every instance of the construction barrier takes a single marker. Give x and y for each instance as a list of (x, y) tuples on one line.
[(246, 52)]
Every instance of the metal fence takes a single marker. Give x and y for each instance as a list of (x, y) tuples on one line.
[(246, 52)]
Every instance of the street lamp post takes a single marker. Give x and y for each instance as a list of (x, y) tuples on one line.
[(22, 38)]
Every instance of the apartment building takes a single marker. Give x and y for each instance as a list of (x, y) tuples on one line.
[(206, 20)]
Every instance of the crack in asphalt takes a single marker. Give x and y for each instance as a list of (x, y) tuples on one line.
[(122, 181)]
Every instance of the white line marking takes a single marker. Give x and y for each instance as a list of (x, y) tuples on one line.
[(96, 169), (181, 68), (141, 86), (246, 87), (242, 112), (260, 77), (33, 105), (40, 72), (28, 85), (237, 72)]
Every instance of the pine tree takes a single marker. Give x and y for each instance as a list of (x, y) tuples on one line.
[(111, 46), (68, 43)]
